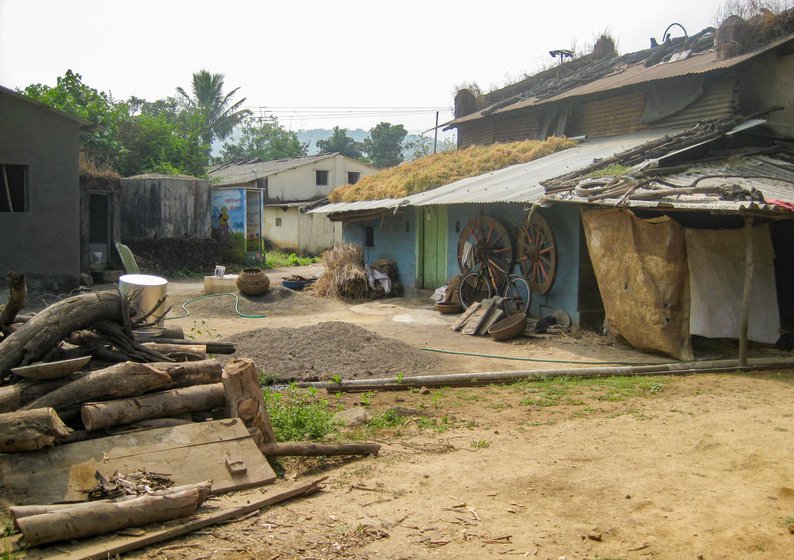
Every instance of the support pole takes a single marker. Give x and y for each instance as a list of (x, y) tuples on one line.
[(748, 286), (8, 189), (435, 134)]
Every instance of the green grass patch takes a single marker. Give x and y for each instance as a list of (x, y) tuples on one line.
[(280, 259), (299, 415), (481, 444), (386, 420), (609, 171)]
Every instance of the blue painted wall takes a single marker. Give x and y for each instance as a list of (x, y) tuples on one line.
[(392, 241)]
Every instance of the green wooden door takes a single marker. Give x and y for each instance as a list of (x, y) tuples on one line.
[(431, 250)]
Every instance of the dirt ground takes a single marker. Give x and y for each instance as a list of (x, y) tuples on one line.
[(698, 467)]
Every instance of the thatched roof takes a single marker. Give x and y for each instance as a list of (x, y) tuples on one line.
[(446, 167)]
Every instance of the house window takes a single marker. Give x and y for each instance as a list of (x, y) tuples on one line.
[(369, 236), (14, 188), (353, 177), (278, 222), (321, 177)]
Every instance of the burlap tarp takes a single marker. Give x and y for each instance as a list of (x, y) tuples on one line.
[(643, 276)]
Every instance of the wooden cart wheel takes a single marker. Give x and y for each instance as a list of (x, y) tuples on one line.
[(485, 242), (537, 254)]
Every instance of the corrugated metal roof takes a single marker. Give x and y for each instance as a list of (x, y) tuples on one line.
[(637, 74), (517, 183), (236, 173)]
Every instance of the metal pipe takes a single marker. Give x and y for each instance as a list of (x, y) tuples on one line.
[(491, 377)]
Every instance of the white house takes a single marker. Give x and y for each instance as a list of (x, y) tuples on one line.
[(286, 187)]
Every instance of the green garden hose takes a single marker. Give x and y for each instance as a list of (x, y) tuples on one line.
[(236, 306), (549, 361)]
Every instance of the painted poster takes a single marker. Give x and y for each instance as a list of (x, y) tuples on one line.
[(228, 222)]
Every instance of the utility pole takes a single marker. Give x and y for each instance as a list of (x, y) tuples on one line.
[(435, 134)]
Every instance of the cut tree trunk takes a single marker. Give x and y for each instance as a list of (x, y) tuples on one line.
[(129, 379), (98, 518), (212, 346), (18, 512), (42, 333), (17, 292), (13, 397), (245, 399), (98, 415), (291, 448), (30, 430)]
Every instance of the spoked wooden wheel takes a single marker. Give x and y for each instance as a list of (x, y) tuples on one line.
[(537, 254), (485, 244)]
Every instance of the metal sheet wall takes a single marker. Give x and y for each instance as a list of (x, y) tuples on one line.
[(720, 99), (609, 116)]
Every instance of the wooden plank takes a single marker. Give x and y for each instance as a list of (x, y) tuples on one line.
[(465, 317), (493, 316), (222, 510), (474, 322), (188, 454)]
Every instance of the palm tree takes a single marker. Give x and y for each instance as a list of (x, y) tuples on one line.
[(208, 99)]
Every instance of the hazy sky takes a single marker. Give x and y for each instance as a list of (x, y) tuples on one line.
[(352, 62)]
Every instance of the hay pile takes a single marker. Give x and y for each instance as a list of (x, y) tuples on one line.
[(444, 168), (344, 275)]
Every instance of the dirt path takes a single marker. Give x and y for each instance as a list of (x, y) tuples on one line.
[(671, 468)]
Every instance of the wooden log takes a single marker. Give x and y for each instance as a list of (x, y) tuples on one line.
[(42, 333), (30, 430), (297, 448), (18, 512), (98, 415), (129, 379), (106, 517), (17, 292), (245, 399), (193, 352), (232, 507), (212, 346), (13, 397)]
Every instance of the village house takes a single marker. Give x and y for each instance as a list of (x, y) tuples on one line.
[(611, 105), (40, 192), (258, 205)]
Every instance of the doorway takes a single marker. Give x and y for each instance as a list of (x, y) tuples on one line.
[(431, 250)]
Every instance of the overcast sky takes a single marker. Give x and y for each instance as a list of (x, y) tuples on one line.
[(307, 55)]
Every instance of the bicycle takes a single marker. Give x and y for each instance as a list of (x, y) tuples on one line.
[(491, 279)]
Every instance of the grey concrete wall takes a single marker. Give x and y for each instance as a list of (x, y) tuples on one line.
[(45, 241), (165, 207)]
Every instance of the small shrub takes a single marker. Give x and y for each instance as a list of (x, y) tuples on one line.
[(297, 415)]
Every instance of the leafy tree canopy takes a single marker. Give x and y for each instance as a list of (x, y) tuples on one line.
[(72, 96), (265, 139), (221, 116), (384, 145), (340, 142)]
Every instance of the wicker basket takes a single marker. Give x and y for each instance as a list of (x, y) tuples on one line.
[(253, 282)]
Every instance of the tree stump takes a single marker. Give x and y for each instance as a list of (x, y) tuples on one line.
[(245, 399)]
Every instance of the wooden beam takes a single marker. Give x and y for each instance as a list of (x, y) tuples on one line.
[(748, 287)]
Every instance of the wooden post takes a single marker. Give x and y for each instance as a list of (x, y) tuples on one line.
[(245, 399), (748, 286)]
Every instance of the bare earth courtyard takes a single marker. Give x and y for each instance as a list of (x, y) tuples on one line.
[(663, 467)]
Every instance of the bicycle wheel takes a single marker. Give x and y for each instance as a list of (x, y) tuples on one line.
[(518, 295), (473, 287)]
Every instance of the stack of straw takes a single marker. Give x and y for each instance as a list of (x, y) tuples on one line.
[(344, 275)]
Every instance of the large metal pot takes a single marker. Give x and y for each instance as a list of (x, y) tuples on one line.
[(146, 294)]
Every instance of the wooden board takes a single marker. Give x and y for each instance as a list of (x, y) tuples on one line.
[(188, 454), (478, 317), (466, 315), (214, 511), (50, 370), (493, 316)]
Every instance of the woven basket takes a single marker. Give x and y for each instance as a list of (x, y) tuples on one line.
[(253, 282)]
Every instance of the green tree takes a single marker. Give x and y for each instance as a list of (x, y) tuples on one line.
[(265, 139), (221, 116), (340, 142), (161, 139), (384, 145), (72, 96)]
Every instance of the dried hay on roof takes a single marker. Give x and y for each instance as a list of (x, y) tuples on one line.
[(446, 167), (344, 274)]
